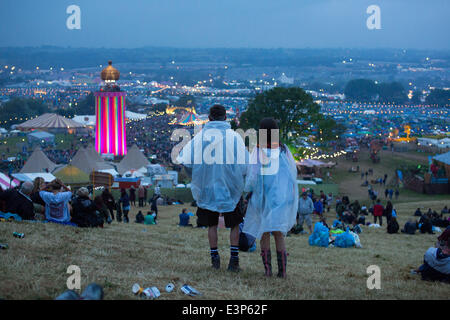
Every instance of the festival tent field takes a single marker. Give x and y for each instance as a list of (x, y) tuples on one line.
[(84, 161), (7, 183), (50, 121), (38, 162), (72, 176), (134, 160)]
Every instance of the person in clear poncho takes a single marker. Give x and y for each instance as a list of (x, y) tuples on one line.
[(272, 208), (217, 156)]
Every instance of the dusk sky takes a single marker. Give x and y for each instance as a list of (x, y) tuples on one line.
[(417, 24)]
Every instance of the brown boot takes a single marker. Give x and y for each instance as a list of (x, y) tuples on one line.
[(267, 262)]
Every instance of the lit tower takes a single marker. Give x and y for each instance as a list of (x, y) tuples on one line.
[(110, 115)]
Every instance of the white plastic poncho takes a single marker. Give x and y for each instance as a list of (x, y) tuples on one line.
[(273, 183), (218, 157)]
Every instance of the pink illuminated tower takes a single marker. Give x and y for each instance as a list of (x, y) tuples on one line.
[(110, 115)]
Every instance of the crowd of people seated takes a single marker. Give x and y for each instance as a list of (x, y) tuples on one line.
[(55, 202)]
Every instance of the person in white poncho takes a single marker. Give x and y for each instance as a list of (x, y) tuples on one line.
[(272, 208), (217, 156)]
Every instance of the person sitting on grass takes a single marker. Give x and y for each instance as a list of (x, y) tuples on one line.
[(56, 200), (410, 227), (84, 211), (444, 210), (184, 219), (425, 224), (418, 213), (140, 217), (19, 202), (392, 225), (436, 262), (150, 218), (356, 228)]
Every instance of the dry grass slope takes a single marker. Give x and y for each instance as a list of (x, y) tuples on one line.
[(121, 254)]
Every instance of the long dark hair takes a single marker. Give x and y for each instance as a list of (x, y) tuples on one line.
[(270, 124)]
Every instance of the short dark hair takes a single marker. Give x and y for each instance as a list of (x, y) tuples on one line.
[(217, 113)]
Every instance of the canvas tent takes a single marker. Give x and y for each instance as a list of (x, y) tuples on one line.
[(50, 121), (134, 160), (72, 176), (84, 161), (38, 162)]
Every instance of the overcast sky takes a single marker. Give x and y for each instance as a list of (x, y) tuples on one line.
[(422, 24)]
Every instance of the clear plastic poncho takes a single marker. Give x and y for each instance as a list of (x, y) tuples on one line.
[(272, 179), (218, 157)]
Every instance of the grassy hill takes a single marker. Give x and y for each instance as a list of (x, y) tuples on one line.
[(121, 254)]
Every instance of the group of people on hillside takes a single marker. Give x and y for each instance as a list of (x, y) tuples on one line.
[(55, 202), (427, 221)]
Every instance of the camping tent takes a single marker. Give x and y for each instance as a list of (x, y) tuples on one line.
[(38, 162), (72, 176), (6, 182), (84, 161), (49, 121), (134, 160)]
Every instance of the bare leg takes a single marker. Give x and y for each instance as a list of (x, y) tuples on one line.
[(265, 241), (212, 236), (279, 241), (234, 236)]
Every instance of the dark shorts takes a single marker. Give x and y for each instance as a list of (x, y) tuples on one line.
[(210, 218)]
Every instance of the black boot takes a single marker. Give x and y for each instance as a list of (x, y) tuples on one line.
[(281, 259), (234, 264), (215, 261), (267, 262)]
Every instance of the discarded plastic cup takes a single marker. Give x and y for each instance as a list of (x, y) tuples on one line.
[(170, 287), (151, 293), (189, 290), (137, 289)]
